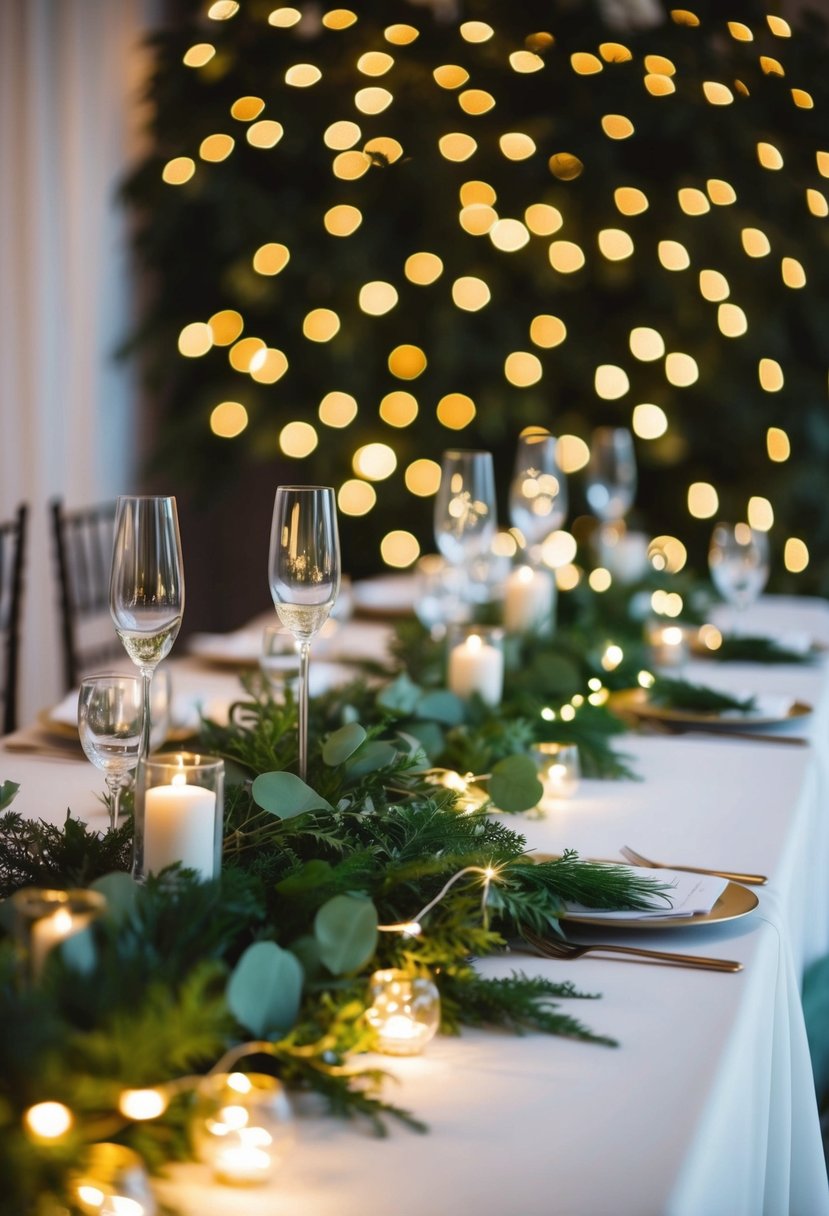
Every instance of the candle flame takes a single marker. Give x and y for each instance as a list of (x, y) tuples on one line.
[(474, 642), (179, 779)]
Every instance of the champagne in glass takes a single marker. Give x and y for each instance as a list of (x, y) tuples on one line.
[(146, 590), (611, 473), (304, 574), (465, 511), (738, 559), (538, 491), (110, 725)]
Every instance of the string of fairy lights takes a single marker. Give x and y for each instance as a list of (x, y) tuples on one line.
[(352, 155)]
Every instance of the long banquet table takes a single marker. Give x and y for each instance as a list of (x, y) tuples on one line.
[(707, 1106)]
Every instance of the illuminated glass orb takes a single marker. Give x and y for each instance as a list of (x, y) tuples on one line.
[(377, 298), (265, 134), (399, 549), (542, 219), (616, 126), (703, 500), (271, 258), (342, 220), (760, 513), (228, 419), (477, 219), (48, 1120), (770, 375), (401, 35), (407, 362), (769, 156), (547, 331), (178, 170), (356, 497), (585, 64), (303, 75), (615, 244), (515, 145), (792, 273), (565, 166), (525, 61), (673, 255), (777, 444), (455, 411), (456, 146), (337, 409), (476, 31), (283, 18), (245, 109), (721, 193), (320, 325), (223, 10), (349, 166), (470, 293), (731, 320), (339, 19), (375, 63), (566, 256), (668, 554), (477, 192), (572, 453), (374, 461), (646, 344), (713, 286), (630, 201), (509, 235), (795, 555), (649, 421), (269, 365), (717, 94), (195, 339), (615, 52), (198, 55), (373, 100), (422, 477), (342, 135), (681, 370), (522, 368), (450, 76), (243, 351), (559, 549), (693, 201), (399, 408), (423, 268), (226, 326), (755, 242), (611, 382), (298, 439), (659, 85), (384, 148), (476, 101)]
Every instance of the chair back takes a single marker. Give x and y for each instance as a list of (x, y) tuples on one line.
[(82, 543), (12, 559)]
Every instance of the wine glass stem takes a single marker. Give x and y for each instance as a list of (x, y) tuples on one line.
[(304, 658), (115, 788), (147, 676)]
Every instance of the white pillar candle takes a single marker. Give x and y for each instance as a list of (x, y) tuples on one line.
[(669, 645), (477, 667), (528, 601), (179, 826)]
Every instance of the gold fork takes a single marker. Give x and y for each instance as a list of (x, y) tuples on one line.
[(636, 859), (557, 948)]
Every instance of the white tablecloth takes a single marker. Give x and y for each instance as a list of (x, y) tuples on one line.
[(707, 1106)]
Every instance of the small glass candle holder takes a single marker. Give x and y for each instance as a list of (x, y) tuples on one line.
[(179, 807), (242, 1126), (529, 601), (44, 918), (476, 662), (559, 769), (404, 1010), (113, 1182), (669, 643)]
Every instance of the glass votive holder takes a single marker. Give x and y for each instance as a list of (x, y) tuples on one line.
[(404, 1011), (475, 663), (43, 918), (669, 643), (242, 1126), (559, 769), (113, 1182), (179, 808), (529, 601)]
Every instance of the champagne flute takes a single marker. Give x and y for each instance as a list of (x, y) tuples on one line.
[(538, 491), (738, 559), (304, 574), (146, 590), (611, 473), (110, 726), (465, 511)]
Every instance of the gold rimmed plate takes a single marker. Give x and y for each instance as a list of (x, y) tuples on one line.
[(635, 703), (735, 901)]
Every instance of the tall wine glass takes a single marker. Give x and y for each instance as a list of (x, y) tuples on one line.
[(738, 559), (465, 511), (110, 725), (611, 473), (538, 491), (146, 589), (304, 574)]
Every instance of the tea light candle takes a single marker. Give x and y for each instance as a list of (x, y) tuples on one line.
[(559, 769), (179, 821), (242, 1126), (241, 1164), (669, 645), (528, 600), (49, 932), (405, 1011), (476, 666), (45, 918)]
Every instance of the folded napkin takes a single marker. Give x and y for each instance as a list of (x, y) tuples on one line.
[(689, 895), (356, 641)]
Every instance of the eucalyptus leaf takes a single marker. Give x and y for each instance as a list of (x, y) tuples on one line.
[(307, 950), (286, 795), (400, 696), (342, 743), (8, 792), (514, 784), (441, 706), (346, 931), (430, 737), (121, 893), (315, 873), (264, 991), (371, 756)]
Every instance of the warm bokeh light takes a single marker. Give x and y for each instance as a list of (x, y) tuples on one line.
[(476, 31), (423, 268), (778, 444), (375, 63), (342, 135), (525, 61), (585, 64), (649, 421), (760, 513), (731, 320), (542, 219), (456, 411), (401, 34), (139, 1104), (566, 256), (792, 273), (339, 19), (298, 439), (769, 156), (178, 170), (693, 201), (450, 76), (349, 166), (407, 362), (223, 10), (522, 368), (320, 325), (48, 1120), (617, 126), (226, 326), (673, 255), (572, 453), (243, 351), (667, 554), (615, 244), (681, 370), (565, 166), (283, 18), (646, 344), (337, 409), (399, 549), (477, 219), (356, 497), (470, 294), (377, 298), (199, 54), (610, 381), (195, 339), (659, 85), (713, 286), (547, 331), (399, 408), (271, 258), (456, 146), (269, 365), (795, 555), (228, 419), (630, 200), (216, 148), (265, 134), (422, 477), (509, 235), (374, 461), (717, 94), (755, 242), (599, 579), (703, 500), (342, 220), (303, 75), (770, 375), (559, 549), (476, 101), (516, 146), (721, 193)]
